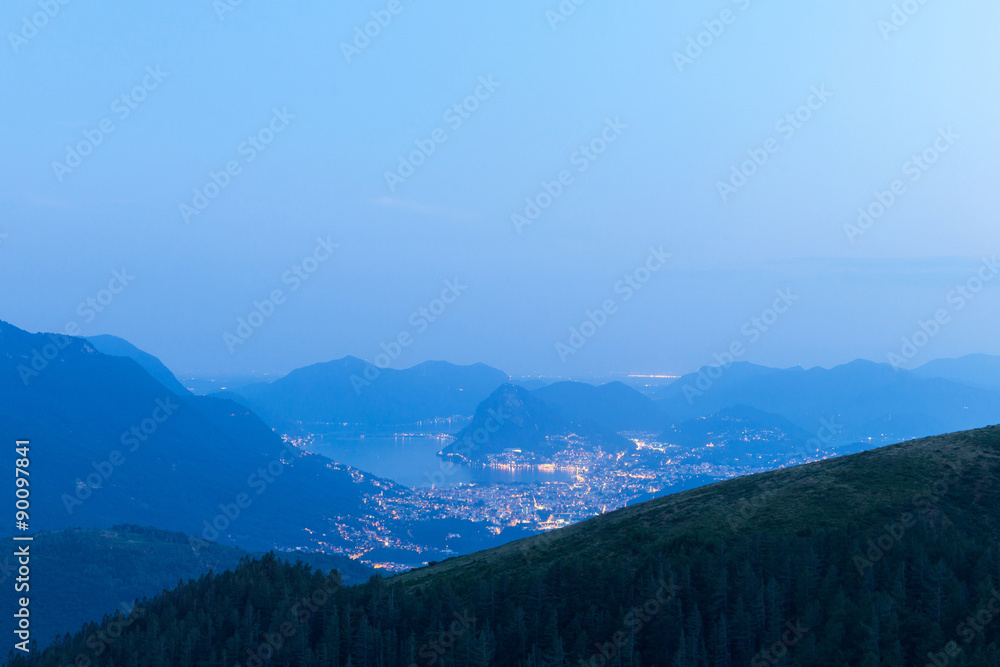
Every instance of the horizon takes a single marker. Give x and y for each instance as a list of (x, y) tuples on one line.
[(610, 376)]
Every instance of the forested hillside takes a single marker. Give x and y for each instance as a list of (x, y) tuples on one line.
[(80, 575)]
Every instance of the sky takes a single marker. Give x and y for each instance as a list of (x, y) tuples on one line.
[(550, 188)]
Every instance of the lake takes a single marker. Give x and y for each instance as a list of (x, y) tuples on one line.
[(412, 460)]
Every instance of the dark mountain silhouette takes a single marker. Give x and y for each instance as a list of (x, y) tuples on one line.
[(116, 446), (119, 347), (870, 400), (977, 370), (514, 418), (614, 405), (350, 391)]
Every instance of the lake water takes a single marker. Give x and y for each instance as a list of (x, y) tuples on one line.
[(412, 460)]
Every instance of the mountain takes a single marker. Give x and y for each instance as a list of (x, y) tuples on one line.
[(514, 418), (743, 436), (888, 557), (350, 391), (116, 446), (978, 370), (866, 400), (111, 445), (719, 378), (615, 406), (119, 347), (81, 575)]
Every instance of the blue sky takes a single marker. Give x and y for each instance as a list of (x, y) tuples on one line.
[(222, 76)]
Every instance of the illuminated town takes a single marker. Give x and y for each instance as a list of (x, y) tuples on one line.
[(598, 482)]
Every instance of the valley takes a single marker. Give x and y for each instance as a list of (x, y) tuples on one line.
[(511, 490)]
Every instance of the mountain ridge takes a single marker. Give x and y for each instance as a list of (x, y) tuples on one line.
[(351, 391)]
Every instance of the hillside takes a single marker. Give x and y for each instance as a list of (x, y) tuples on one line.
[(885, 558), (851, 491), (80, 575), (119, 347), (744, 436)]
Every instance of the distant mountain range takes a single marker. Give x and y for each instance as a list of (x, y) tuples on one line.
[(977, 370), (865, 400), (614, 406), (354, 393), (112, 445), (749, 414), (126, 443)]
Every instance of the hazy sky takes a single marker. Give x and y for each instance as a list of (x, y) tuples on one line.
[(614, 121)]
